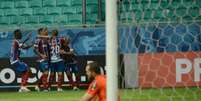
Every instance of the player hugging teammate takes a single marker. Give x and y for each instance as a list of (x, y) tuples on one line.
[(71, 67), (56, 63), (42, 49), (54, 57)]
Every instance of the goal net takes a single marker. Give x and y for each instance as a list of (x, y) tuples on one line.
[(160, 43)]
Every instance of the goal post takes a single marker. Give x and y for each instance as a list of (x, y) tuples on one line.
[(111, 50)]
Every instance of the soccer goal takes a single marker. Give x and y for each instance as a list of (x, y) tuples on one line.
[(160, 43)]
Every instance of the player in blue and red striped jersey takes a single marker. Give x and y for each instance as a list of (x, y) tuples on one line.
[(20, 67), (42, 49), (57, 63)]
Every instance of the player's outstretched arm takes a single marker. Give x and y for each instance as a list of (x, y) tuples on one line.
[(26, 46)]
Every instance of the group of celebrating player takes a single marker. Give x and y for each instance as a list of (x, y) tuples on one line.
[(54, 56)]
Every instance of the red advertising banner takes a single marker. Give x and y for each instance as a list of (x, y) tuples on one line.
[(169, 69)]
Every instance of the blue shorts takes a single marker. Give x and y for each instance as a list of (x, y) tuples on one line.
[(20, 67), (57, 67), (71, 67), (43, 66)]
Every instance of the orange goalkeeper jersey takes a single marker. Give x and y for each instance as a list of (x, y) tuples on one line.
[(98, 87)]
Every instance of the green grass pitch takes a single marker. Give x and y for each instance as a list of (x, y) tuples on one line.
[(165, 94)]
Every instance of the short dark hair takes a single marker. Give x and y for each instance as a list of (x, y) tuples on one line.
[(55, 31), (95, 67), (17, 34), (40, 30)]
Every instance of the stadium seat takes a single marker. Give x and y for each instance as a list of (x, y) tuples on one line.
[(26, 11), (2, 12), (181, 11), (4, 20), (69, 10), (148, 14), (187, 18), (164, 5), (169, 13), (17, 20), (92, 9), (144, 6), (198, 18), (79, 9), (91, 18), (187, 3), (198, 3), (11, 12), (130, 17), (138, 15), (49, 3), (75, 18), (21, 4), (125, 1), (76, 2), (154, 6), (54, 11), (46, 19), (40, 11), (63, 3), (7, 4), (91, 2), (126, 8), (60, 19), (193, 11), (32, 20), (35, 3), (134, 7), (174, 18), (158, 14)]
